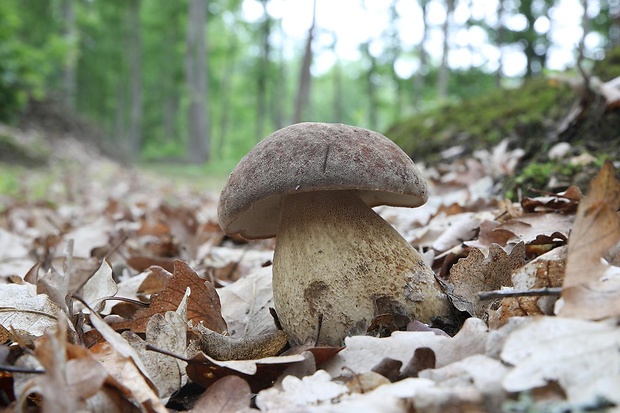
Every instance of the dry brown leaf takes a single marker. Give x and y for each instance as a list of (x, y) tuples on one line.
[(165, 332), (203, 304), (595, 232), (98, 287), (72, 377), (222, 347), (478, 273), (156, 281), (490, 234), (362, 353), (528, 227), (141, 263), (546, 270), (565, 202), (230, 394), (128, 378)]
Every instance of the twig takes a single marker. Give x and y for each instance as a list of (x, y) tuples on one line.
[(489, 295)]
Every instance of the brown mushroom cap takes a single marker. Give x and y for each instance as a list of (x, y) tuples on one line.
[(309, 157)]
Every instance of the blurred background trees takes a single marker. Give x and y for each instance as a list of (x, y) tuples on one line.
[(204, 80)]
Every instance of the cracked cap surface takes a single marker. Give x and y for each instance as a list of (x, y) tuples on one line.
[(311, 156)]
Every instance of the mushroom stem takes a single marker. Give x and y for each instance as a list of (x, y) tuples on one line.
[(338, 258)]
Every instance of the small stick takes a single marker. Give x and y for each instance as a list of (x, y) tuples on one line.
[(489, 295)]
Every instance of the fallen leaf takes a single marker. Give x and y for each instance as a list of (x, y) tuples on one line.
[(260, 374), (165, 332), (478, 273), (230, 394), (362, 353), (528, 227), (565, 202), (24, 310), (544, 271), (222, 347), (65, 386), (582, 356), (585, 294), (98, 287), (483, 372), (246, 303), (203, 305), (297, 394)]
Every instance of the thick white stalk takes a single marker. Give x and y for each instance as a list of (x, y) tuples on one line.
[(337, 259)]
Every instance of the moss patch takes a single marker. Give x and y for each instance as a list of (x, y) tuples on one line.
[(528, 112)]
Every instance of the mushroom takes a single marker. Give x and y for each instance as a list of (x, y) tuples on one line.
[(336, 260)]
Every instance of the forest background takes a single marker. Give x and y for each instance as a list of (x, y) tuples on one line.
[(203, 80)]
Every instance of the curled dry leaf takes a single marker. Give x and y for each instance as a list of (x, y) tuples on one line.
[(99, 286), (166, 332), (478, 273), (223, 348), (203, 305), (66, 385), (260, 373), (596, 230)]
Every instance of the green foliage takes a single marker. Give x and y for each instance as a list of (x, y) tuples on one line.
[(23, 65), (608, 68), (537, 175)]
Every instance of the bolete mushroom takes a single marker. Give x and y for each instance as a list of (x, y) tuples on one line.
[(313, 185)]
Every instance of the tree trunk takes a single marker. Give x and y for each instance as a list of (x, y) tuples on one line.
[(196, 78), (226, 92), (263, 73), (303, 90), (279, 96), (585, 26), (499, 43), (70, 36), (370, 84), (337, 99), (135, 68), (442, 82), (418, 81)]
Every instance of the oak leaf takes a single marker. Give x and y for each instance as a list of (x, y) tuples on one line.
[(203, 305)]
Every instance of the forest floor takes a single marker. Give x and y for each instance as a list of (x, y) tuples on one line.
[(81, 232)]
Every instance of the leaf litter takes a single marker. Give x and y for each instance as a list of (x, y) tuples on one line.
[(136, 301)]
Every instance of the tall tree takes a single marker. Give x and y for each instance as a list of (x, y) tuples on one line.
[(303, 88), (500, 36), (371, 74), (70, 36), (135, 64), (393, 51), (263, 73), (337, 99), (418, 81), (196, 78), (442, 81)]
